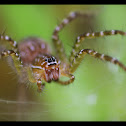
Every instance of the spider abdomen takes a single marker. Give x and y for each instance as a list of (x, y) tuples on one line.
[(31, 47)]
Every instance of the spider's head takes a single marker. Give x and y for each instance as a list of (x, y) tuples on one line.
[(51, 69), (51, 61)]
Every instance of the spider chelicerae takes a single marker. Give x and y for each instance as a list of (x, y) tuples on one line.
[(33, 55)]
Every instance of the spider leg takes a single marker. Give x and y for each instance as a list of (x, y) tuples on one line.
[(21, 70), (9, 39), (78, 58), (16, 58), (57, 43), (67, 82), (40, 85), (79, 39)]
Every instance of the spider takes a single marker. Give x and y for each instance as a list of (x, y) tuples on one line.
[(33, 55)]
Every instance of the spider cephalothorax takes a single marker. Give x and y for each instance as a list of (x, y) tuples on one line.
[(34, 55), (47, 67)]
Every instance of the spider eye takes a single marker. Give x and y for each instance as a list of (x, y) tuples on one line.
[(49, 60), (46, 60), (53, 59)]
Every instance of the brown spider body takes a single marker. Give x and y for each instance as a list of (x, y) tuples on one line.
[(31, 47), (34, 55)]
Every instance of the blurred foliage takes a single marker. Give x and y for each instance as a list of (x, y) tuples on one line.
[(98, 92)]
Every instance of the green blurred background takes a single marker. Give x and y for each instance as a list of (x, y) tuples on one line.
[(99, 90)]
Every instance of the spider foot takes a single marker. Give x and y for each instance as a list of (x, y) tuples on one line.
[(40, 86)]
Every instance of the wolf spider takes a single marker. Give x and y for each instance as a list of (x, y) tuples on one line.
[(33, 55)]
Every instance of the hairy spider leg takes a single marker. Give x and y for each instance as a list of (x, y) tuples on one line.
[(9, 39), (18, 64), (77, 59), (16, 58), (39, 82), (91, 35), (40, 85), (57, 43), (72, 78)]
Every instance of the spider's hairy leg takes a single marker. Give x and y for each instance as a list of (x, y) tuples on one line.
[(16, 58), (9, 39), (57, 43), (72, 78), (80, 38), (40, 85), (35, 77), (77, 59)]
